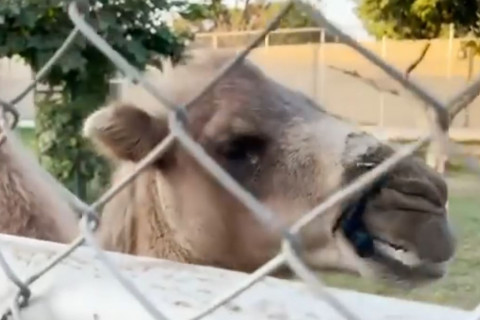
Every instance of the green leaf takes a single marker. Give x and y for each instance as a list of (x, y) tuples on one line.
[(72, 60), (138, 50), (416, 19), (106, 19), (27, 18)]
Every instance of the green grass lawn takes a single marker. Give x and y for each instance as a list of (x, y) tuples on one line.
[(461, 286), (28, 136)]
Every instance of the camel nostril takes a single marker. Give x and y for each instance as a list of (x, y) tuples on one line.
[(436, 182), (435, 240), (412, 195), (441, 185)]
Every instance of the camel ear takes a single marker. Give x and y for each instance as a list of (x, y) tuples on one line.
[(124, 132)]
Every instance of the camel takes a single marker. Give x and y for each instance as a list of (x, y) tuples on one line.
[(287, 151), (29, 204)]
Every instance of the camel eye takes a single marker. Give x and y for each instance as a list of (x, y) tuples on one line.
[(243, 149)]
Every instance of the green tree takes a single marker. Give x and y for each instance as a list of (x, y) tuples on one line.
[(215, 16), (296, 18), (34, 29), (254, 15), (417, 19), (214, 11)]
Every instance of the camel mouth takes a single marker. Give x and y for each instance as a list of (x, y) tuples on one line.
[(395, 253), (393, 261), (388, 259), (403, 266)]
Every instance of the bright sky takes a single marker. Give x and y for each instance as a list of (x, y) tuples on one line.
[(341, 13)]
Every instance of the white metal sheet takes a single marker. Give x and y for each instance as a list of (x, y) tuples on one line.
[(81, 288)]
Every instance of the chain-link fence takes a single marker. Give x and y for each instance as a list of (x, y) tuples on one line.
[(290, 253)]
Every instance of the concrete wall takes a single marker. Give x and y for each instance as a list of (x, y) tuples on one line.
[(298, 66), (15, 76)]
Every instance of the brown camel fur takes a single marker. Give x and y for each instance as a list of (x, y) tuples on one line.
[(29, 206)]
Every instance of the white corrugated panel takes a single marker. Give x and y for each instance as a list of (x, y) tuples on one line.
[(80, 288)]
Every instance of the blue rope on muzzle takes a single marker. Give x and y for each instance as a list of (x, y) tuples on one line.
[(352, 223)]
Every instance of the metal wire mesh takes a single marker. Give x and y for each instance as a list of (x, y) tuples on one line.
[(290, 252)]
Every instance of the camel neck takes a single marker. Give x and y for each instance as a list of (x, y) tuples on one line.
[(157, 237)]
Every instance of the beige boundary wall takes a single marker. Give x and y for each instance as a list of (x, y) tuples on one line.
[(315, 70)]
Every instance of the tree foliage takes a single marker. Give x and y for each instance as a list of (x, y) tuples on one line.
[(214, 15), (35, 29), (213, 11), (417, 19)]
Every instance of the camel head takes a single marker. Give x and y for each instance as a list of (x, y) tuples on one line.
[(291, 154)]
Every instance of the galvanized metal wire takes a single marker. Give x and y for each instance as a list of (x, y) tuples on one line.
[(290, 252)]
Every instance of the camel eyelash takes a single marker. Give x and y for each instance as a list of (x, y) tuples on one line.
[(242, 147), (367, 165)]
